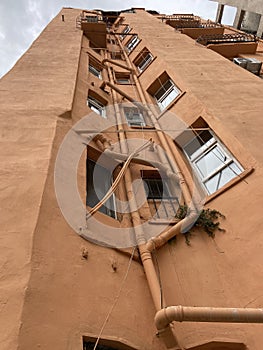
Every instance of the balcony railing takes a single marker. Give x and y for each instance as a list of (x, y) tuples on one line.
[(225, 38)]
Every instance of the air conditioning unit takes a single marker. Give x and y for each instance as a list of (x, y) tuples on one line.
[(254, 66), (251, 64), (242, 62)]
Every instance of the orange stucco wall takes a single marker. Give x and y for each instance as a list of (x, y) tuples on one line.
[(50, 294)]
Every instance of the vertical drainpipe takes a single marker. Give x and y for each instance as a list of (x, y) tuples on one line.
[(146, 257)]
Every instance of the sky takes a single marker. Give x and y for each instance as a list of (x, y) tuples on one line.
[(21, 21)]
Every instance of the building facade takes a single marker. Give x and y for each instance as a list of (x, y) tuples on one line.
[(147, 121), (248, 15)]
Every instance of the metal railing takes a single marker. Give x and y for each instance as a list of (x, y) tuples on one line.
[(225, 38)]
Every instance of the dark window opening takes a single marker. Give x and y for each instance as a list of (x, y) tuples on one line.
[(163, 204), (97, 190), (90, 346)]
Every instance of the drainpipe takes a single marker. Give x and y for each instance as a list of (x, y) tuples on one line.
[(185, 190), (182, 226), (146, 257), (179, 313)]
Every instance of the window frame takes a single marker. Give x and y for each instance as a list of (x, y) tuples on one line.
[(130, 46), (96, 106), (161, 101), (125, 31), (138, 122), (165, 199), (218, 150), (141, 62), (95, 71)]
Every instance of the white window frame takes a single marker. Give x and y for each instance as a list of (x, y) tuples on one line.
[(96, 106), (132, 43), (215, 147), (95, 71), (170, 93), (126, 30), (144, 62), (134, 117)]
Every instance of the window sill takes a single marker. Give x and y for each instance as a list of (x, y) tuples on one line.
[(163, 221), (230, 184)]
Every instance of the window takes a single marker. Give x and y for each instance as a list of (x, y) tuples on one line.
[(95, 192), (143, 60), (123, 78), (133, 116), (94, 47), (126, 30), (132, 43), (164, 91), (97, 106), (162, 204), (166, 94), (116, 55), (212, 163), (95, 71)]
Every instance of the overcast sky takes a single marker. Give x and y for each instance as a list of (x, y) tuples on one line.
[(21, 21)]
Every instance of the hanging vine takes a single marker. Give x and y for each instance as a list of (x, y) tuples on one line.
[(207, 221)]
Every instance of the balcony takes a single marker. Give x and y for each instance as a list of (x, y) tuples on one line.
[(94, 28), (230, 45)]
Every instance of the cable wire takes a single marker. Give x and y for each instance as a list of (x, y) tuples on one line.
[(115, 301)]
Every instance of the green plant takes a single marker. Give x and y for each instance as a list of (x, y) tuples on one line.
[(207, 220)]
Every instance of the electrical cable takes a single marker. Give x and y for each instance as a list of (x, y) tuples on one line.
[(115, 301)]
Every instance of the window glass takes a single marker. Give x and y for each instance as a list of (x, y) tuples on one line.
[(133, 116), (212, 163), (95, 71), (144, 61), (96, 106), (132, 43), (166, 94)]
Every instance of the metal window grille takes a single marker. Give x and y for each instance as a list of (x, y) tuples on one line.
[(162, 204)]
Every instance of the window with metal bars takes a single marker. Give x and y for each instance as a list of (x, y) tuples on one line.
[(162, 204), (213, 164)]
